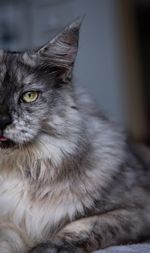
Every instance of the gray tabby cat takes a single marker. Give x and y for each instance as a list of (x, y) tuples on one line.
[(69, 181)]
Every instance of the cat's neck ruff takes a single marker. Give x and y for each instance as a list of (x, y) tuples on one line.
[(45, 147)]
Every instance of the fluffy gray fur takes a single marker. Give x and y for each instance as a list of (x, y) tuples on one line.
[(69, 180)]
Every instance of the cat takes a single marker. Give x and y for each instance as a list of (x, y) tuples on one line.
[(69, 179)]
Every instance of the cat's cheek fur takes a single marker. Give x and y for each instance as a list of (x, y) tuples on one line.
[(20, 132)]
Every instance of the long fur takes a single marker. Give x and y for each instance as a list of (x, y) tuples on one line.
[(69, 180)]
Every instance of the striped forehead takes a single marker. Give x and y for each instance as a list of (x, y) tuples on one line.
[(13, 72)]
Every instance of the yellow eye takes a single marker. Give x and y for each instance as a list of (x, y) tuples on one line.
[(30, 96)]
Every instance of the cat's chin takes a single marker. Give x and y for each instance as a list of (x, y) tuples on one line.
[(7, 144)]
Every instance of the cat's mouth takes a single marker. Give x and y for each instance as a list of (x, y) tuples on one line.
[(6, 143)]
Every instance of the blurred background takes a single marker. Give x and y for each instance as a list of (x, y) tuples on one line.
[(114, 54)]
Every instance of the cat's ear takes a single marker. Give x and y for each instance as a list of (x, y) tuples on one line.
[(61, 50)]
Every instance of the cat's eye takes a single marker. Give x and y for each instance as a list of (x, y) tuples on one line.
[(30, 96)]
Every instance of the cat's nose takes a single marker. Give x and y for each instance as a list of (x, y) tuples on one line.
[(5, 120)]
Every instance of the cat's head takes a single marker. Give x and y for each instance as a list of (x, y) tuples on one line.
[(35, 89)]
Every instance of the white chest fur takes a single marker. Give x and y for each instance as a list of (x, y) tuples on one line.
[(35, 218), (13, 200)]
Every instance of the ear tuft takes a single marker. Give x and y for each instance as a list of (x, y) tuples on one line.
[(61, 50)]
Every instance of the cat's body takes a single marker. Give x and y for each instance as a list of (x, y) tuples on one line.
[(68, 178)]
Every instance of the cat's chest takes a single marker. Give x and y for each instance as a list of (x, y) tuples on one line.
[(12, 195), (36, 218)]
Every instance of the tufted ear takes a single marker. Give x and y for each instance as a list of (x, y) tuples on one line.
[(61, 50)]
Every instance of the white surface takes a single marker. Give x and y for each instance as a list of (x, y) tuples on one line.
[(135, 248)]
